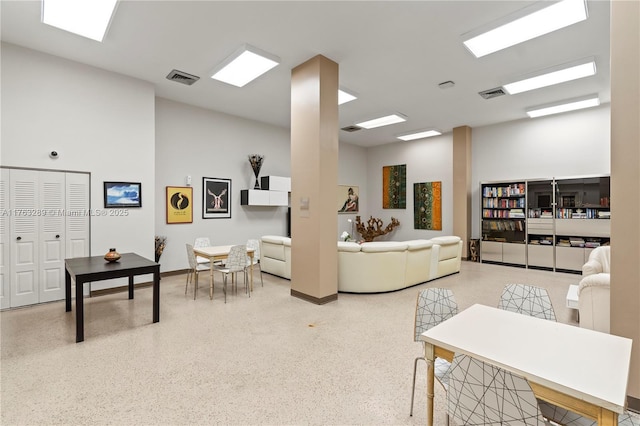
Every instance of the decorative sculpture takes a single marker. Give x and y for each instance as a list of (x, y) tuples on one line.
[(374, 227), (256, 163)]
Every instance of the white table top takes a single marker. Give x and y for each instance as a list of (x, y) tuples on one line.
[(216, 250), (586, 364)]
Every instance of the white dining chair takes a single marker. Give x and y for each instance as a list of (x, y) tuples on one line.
[(236, 262), (194, 269), (255, 245), (433, 306)]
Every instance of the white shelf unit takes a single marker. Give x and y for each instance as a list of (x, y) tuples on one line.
[(565, 219), (274, 192)]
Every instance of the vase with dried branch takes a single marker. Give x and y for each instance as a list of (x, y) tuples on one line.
[(256, 161), (374, 227)]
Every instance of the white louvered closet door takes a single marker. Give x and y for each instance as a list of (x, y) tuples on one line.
[(5, 290), (23, 194), (77, 224), (51, 216)]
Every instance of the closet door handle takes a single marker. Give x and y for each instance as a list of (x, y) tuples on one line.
[(57, 236), (19, 238)]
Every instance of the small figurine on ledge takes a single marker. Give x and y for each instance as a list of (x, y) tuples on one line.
[(374, 227)]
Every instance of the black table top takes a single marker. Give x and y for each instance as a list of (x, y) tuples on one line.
[(97, 264)]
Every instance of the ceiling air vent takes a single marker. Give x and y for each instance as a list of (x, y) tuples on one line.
[(182, 77), (352, 128), (492, 93)]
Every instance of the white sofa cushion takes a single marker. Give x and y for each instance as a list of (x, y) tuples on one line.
[(348, 246), (598, 262), (448, 246), (382, 246), (594, 299), (418, 268)]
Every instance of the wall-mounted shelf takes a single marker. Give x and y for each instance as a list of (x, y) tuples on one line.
[(275, 192)]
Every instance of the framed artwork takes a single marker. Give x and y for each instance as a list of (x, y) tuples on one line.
[(122, 194), (216, 198), (427, 206), (394, 187), (348, 199), (179, 204)]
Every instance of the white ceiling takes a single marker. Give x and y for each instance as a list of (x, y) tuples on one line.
[(392, 54)]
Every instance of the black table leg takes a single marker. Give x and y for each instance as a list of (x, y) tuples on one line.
[(130, 286), (79, 311), (156, 295), (67, 290)]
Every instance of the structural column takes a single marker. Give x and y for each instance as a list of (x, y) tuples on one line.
[(625, 181), (314, 179), (462, 186)]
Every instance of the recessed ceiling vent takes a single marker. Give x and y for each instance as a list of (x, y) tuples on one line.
[(182, 77), (492, 93), (352, 128)]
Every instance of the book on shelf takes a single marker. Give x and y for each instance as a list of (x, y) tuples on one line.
[(604, 215), (516, 213), (576, 242)]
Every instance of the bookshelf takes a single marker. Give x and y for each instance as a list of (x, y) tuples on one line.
[(503, 223), (551, 224), (540, 224), (581, 219)]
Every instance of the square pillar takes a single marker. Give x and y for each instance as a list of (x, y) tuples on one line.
[(314, 180)]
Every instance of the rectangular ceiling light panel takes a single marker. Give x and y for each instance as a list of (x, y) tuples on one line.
[(420, 135), (88, 19), (382, 121), (550, 78), (518, 28), (344, 96), (244, 65), (565, 106)]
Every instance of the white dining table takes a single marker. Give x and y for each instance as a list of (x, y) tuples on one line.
[(582, 370), (214, 253)]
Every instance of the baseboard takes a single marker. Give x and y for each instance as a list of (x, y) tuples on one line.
[(312, 299), (124, 288), (633, 404)]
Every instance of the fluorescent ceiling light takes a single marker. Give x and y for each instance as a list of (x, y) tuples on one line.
[(522, 28), (571, 105), (345, 96), (382, 121), (82, 17), (244, 65), (419, 135), (550, 78)]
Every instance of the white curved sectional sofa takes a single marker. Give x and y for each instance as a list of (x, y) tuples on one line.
[(375, 267)]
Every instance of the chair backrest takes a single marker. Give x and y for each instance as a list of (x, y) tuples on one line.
[(482, 394), (527, 299), (191, 256), (237, 259), (433, 306), (202, 242), (255, 245)]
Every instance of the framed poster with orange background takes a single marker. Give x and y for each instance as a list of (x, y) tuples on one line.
[(179, 204)]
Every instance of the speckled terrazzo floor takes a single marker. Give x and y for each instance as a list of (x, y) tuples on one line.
[(271, 359)]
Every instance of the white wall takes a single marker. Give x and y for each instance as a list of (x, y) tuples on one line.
[(427, 160), (98, 121), (203, 143), (562, 145), (352, 171)]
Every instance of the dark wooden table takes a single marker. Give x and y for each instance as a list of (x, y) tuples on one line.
[(88, 269)]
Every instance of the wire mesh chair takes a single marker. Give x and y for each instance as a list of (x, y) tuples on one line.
[(433, 306), (236, 262), (528, 300), (194, 269), (255, 245)]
